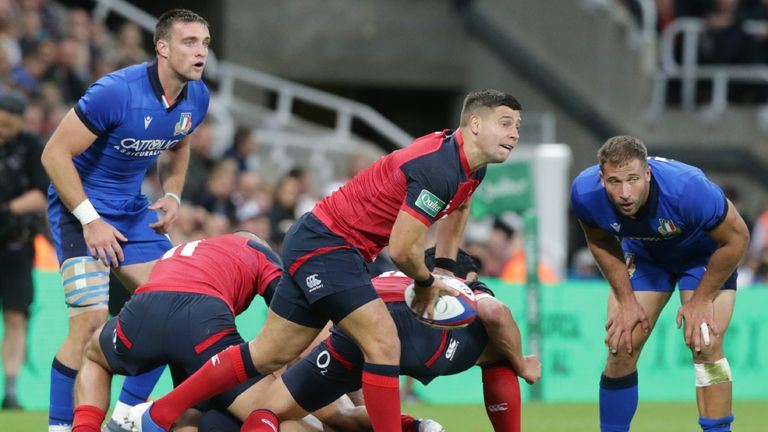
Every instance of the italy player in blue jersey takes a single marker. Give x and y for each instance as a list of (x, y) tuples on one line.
[(653, 224), (96, 160)]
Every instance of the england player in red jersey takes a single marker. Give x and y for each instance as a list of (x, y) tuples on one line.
[(334, 366), (182, 316), (393, 202)]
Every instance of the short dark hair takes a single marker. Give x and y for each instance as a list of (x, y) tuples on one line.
[(486, 99), (171, 17), (465, 263), (622, 149)]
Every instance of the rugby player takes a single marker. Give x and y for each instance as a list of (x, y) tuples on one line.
[(96, 159), (652, 224)]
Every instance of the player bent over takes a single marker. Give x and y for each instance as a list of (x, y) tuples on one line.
[(676, 228), (335, 366)]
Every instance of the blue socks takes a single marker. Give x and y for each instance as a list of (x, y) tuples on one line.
[(136, 389), (618, 402), (722, 424), (62, 396)]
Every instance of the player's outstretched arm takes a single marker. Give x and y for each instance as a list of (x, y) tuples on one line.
[(732, 236), (70, 139), (606, 249), (504, 341), (173, 171), (406, 244), (450, 231)]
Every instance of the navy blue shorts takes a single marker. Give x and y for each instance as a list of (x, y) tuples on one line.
[(182, 330), (129, 216), (325, 279), (334, 367), (330, 370)]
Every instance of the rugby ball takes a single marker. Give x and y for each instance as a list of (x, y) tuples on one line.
[(450, 312)]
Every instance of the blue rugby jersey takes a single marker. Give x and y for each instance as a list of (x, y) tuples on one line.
[(125, 109), (682, 206)]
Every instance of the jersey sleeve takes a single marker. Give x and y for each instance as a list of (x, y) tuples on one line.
[(579, 208), (703, 203), (103, 105), (428, 190)]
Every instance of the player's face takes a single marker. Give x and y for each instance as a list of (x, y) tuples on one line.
[(188, 49), (10, 125), (498, 131), (627, 185)]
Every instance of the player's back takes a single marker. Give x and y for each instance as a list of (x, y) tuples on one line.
[(682, 205), (125, 110), (231, 267), (427, 352)]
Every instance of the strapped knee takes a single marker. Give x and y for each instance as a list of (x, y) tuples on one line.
[(708, 374), (86, 284)]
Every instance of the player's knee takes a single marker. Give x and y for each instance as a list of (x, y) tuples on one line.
[(493, 312), (86, 285), (93, 346), (711, 373), (383, 348)]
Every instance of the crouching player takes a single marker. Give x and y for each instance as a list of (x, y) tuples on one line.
[(334, 367), (182, 316)]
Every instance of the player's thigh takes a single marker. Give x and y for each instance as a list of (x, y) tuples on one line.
[(653, 303), (278, 342), (372, 327), (133, 275), (724, 304)]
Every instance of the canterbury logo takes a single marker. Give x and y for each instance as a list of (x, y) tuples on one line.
[(270, 424), (497, 407), (215, 360)]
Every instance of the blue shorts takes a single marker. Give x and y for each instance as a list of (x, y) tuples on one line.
[(129, 216), (649, 274), (182, 330), (325, 277)]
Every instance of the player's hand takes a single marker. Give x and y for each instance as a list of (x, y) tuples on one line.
[(531, 370), (696, 312), (621, 324), (442, 272), (169, 213), (425, 297), (103, 240)]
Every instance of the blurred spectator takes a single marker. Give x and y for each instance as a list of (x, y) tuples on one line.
[(283, 211), (71, 71), (250, 198), (244, 147), (259, 225), (307, 198), (34, 120), (130, 45), (356, 162), (30, 72), (200, 161), (217, 197), (584, 266)]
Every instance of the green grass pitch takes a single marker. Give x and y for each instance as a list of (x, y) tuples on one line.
[(751, 416)]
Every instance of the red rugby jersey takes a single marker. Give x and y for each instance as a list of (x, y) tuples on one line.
[(429, 179), (225, 266)]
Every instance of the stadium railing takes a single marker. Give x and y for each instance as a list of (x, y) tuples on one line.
[(691, 73)]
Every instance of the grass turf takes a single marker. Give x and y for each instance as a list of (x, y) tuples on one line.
[(751, 416)]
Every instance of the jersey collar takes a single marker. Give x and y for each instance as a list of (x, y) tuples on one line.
[(462, 155), (154, 80)]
